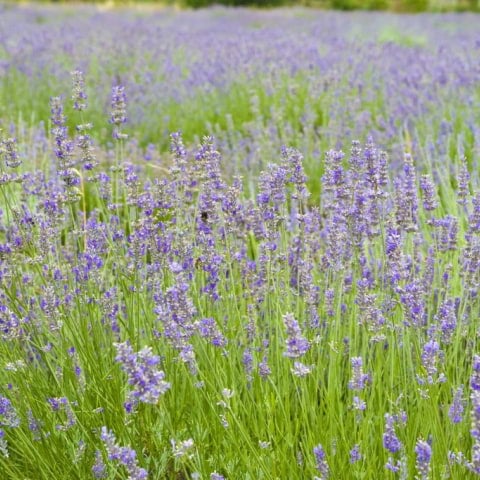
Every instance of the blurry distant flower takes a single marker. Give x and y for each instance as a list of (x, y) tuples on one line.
[(3, 444), (99, 468), (182, 448), (475, 377), (359, 404), (355, 455), (119, 105), (263, 368), (62, 404), (9, 152), (456, 409), (118, 114), (227, 393), (428, 188), (463, 180), (79, 97), (216, 476), (85, 144)]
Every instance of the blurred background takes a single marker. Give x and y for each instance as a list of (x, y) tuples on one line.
[(407, 6)]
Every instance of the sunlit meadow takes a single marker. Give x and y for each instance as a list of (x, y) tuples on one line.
[(239, 244)]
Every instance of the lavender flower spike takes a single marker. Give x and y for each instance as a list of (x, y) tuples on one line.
[(424, 455), (355, 455), (321, 462), (359, 379), (123, 455), (390, 440), (145, 378), (8, 149), (297, 345), (456, 409), (79, 97), (475, 377), (119, 111)]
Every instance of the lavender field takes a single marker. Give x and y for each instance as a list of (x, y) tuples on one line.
[(239, 244)]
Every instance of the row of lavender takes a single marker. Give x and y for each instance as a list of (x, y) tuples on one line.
[(158, 323), (257, 79)]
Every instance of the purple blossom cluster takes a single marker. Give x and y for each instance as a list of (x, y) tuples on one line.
[(122, 455), (321, 463), (143, 374)]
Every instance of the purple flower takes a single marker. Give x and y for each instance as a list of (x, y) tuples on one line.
[(431, 355), (175, 310), (355, 455), (301, 370), (208, 328), (474, 219), (359, 379), (406, 200), (35, 426), (321, 463), (264, 369), (413, 300), (446, 230), (118, 114), (297, 345), (475, 415), (10, 325), (85, 144), (99, 468), (216, 476), (390, 440), (247, 361), (9, 152), (447, 319), (119, 106), (428, 188), (8, 414), (455, 412), (463, 180), (474, 464), (62, 405), (79, 97), (123, 455), (475, 377), (293, 161), (423, 452), (56, 110), (359, 404), (183, 448), (143, 375)]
